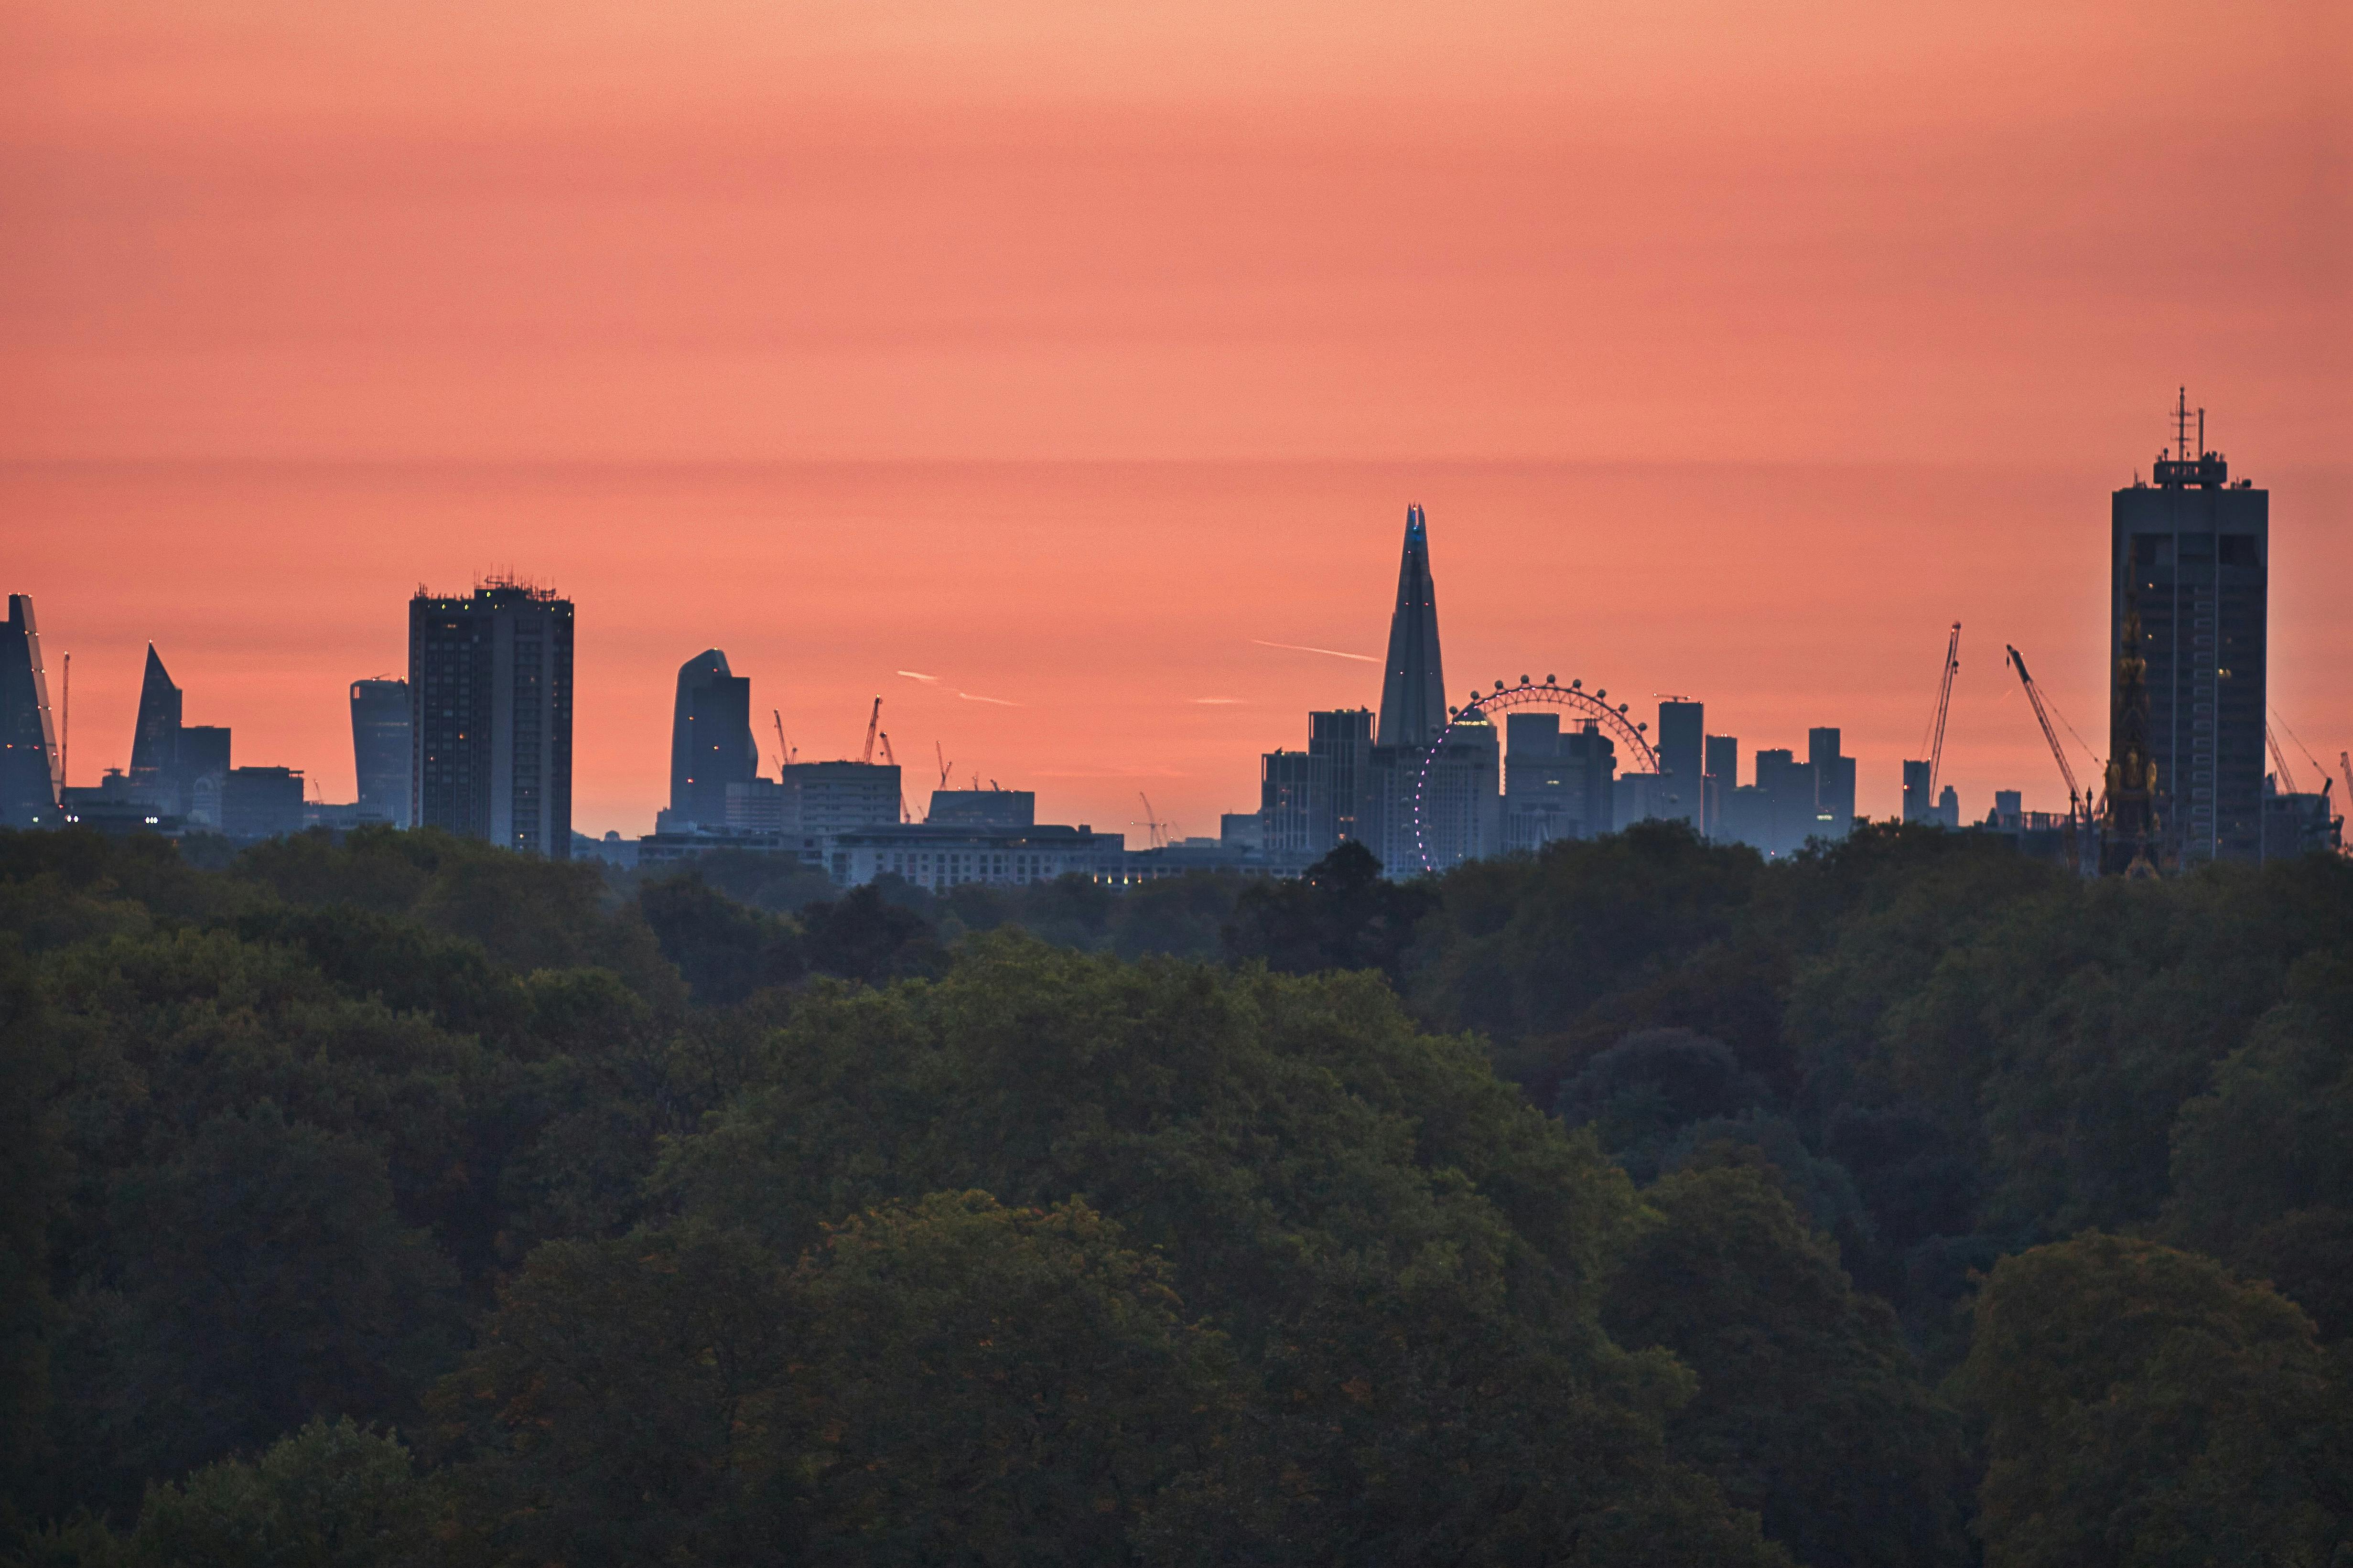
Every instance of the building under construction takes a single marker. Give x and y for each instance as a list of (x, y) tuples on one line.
[(2188, 590)]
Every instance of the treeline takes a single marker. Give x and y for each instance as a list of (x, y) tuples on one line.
[(401, 1200)]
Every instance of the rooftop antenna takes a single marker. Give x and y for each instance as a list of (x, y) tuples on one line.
[(2181, 424)]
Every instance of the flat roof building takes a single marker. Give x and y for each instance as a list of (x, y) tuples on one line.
[(489, 683)]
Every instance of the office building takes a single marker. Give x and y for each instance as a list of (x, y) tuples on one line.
[(1918, 805), (1286, 818), (1722, 760), (1682, 731), (2190, 552), (490, 684), (1454, 810), (1413, 682), (1239, 830), (32, 771), (199, 772), (997, 808), (1556, 785), (155, 734), (1340, 755), (825, 798), (711, 744), (1833, 785), (261, 803), (941, 857), (381, 748)]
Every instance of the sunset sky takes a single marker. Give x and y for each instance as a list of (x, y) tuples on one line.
[(1071, 353)]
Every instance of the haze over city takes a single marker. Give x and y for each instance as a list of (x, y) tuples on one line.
[(1076, 358)]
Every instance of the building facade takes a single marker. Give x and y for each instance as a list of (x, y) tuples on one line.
[(711, 744), (1682, 760), (1286, 814), (489, 681), (2190, 552), (32, 772), (381, 748)]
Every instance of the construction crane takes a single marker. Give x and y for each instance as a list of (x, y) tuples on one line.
[(1157, 829), (2288, 784), (785, 753), (1943, 703), (873, 728), (941, 753), (884, 736), (2344, 766), (2042, 717)]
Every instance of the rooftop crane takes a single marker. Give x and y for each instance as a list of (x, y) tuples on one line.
[(784, 753), (2344, 766), (1157, 829), (873, 727), (884, 736), (2041, 716), (2288, 784), (941, 753), (1943, 702)]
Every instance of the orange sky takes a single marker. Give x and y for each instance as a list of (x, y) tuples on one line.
[(1063, 349)]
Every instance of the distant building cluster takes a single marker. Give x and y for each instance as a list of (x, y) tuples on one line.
[(477, 740)]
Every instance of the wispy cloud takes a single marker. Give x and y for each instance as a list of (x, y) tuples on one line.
[(1329, 652), (917, 675), (1219, 701), (1000, 701)]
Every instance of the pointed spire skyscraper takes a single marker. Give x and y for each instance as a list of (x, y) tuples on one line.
[(156, 742), (1413, 687)]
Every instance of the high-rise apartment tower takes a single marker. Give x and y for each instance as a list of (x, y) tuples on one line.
[(2190, 552), (489, 695)]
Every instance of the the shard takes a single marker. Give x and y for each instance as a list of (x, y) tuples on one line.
[(156, 742), (30, 771), (1413, 688)]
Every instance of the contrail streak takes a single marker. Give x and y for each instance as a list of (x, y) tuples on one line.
[(1001, 702), (1302, 647), (917, 675)]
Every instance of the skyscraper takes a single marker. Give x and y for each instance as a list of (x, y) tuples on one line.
[(2190, 552), (1413, 686), (155, 737), (1723, 778), (30, 768), (489, 694), (1833, 783), (1682, 730), (382, 747), (1340, 752), (711, 743)]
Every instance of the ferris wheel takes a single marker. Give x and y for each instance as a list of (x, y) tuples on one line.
[(1626, 733)]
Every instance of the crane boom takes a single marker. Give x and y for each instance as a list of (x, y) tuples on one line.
[(941, 753), (873, 727), (784, 751), (2279, 762), (2058, 752), (1943, 703)]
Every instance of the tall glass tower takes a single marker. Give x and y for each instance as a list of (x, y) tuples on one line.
[(490, 701), (382, 747), (2190, 555), (30, 773)]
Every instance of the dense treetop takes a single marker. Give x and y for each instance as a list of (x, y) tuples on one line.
[(402, 1200)]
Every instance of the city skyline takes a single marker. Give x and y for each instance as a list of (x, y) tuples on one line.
[(1197, 759)]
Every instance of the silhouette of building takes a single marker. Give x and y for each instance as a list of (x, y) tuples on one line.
[(1287, 815), (1682, 731), (381, 748), (1917, 805), (1722, 777), (32, 773), (2191, 551), (1340, 757), (711, 744), (200, 771), (1413, 683), (156, 735), (1833, 785), (261, 803), (490, 692), (999, 808), (1556, 785)]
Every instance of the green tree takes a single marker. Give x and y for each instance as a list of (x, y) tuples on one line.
[(334, 1494), (725, 950), (1002, 1385), (632, 1401), (1808, 1408), (1341, 915), (2142, 1408)]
